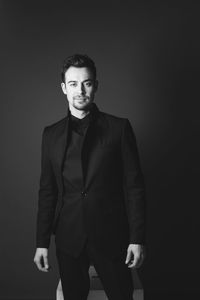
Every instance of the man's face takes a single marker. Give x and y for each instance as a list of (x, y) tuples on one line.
[(79, 87)]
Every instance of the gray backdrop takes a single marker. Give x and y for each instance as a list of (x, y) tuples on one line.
[(147, 59)]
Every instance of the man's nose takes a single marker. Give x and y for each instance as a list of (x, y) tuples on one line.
[(81, 89)]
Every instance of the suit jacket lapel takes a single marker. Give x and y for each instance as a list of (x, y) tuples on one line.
[(60, 145), (93, 139)]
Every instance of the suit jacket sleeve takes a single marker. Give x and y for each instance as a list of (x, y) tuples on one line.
[(48, 193), (133, 186)]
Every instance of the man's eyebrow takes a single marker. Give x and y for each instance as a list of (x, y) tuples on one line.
[(89, 79)]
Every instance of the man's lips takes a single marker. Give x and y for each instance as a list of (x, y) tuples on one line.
[(80, 98)]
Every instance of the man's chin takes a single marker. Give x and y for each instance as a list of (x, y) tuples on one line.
[(82, 106)]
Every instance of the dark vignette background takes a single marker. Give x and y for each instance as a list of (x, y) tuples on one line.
[(147, 59)]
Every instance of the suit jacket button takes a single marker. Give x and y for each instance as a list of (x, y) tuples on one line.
[(83, 193)]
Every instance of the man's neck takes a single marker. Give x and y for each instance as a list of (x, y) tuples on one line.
[(80, 114)]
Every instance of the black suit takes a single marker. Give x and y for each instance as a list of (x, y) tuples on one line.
[(112, 194)]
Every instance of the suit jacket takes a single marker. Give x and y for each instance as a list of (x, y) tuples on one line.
[(113, 194)]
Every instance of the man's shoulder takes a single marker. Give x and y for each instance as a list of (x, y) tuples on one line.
[(56, 125), (113, 119)]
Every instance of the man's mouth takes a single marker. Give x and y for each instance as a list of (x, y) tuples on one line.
[(80, 98)]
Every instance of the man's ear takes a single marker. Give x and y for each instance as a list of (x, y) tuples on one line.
[(63, 86), (96, 84)]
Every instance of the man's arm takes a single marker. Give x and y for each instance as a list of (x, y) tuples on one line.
[(135, 196), (48, 193)]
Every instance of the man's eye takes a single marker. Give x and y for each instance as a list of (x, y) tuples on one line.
[(73, 84), (88, 83)]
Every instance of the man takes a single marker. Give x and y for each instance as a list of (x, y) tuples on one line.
[(91, 192)]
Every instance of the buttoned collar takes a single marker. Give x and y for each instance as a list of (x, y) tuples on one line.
[(92, 114), (79, 125)]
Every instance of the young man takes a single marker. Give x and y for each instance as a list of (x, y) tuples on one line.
[(91, 192)]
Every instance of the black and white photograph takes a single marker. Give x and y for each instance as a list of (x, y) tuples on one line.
[(100, 150)]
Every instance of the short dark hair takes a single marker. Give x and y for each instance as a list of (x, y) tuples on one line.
[(79, 61)]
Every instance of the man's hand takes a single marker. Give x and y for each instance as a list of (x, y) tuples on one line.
[(41, 259), (135, 255)]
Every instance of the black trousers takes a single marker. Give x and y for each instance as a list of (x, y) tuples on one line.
[(74, 273)]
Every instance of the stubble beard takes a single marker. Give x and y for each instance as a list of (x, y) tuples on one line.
[(83, 105)]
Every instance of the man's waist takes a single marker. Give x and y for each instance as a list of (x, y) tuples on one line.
[(74, 194)]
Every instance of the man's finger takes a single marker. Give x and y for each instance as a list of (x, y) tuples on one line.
[(46, 264), (136, 263), (38, 262), (128, 256)]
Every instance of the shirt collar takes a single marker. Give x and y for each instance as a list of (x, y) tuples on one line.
[(91, 116), (79, 125)]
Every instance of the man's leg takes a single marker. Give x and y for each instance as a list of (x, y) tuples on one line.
[(74, 275), (114, 274)]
